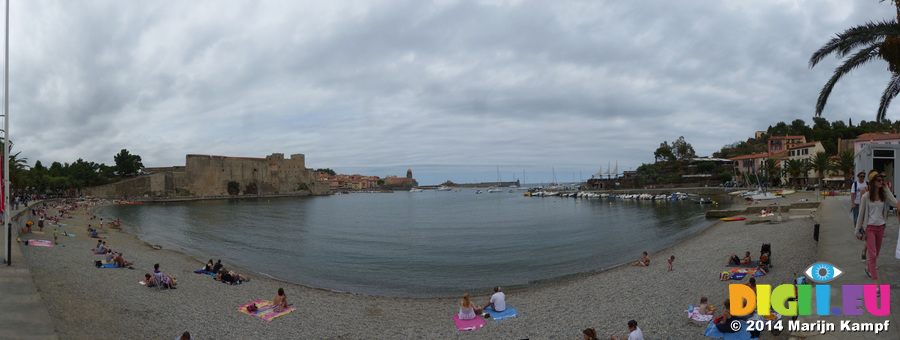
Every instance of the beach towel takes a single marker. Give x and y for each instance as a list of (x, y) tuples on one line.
[(741, 273), (265, 311), (713, 332), (507, 313), (204, 272), (67, 234), (753, 264), (696, 316), (109, 265), (39, 243), (468, 325)]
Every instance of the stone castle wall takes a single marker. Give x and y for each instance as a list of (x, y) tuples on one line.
[(206, 175)]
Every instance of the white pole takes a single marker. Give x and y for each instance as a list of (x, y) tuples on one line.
[(6, 213)]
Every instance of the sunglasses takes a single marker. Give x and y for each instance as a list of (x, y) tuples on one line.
[(879, 179), (861, 176)]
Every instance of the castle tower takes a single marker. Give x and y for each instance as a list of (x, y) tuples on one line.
[(409, 173)]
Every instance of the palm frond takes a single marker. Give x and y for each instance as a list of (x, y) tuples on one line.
[(891, 91), (858, 59), (855, 37)]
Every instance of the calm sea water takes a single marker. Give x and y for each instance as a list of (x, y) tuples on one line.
[(425, 244)]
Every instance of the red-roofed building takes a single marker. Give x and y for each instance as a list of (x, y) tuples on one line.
[(875, 138), (780, 143), (803, 152)]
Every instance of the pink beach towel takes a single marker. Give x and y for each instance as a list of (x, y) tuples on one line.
[(40, 243), (266, 310), (468, 325)]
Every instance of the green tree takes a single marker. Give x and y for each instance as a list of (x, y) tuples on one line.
[(863, 44), (845, 164), (706, 167), (820, 162), (794, 168), (127, 165), (770, 170), (329, 171), (682, 149), (664, 152)]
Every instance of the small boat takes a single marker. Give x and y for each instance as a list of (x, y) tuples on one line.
[(763, 196), (704, 200), (443, 188), (494, 190), (477, 192), (729, 219), (661, 197), (416, 190), (785, 192)]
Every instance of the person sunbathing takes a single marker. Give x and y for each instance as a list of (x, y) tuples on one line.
[(121, 261), (280, 301), (644, 261), (467, 310), (736, 261)]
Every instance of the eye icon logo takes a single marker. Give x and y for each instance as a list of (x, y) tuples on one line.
[(822, 272)]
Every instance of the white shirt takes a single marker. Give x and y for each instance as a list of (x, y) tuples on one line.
[(855, 189), (499, 301), (876, 213), (636, 334)]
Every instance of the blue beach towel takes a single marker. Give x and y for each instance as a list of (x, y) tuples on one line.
[(109, 265), (204, 272), (507, 313), (67, 234), (713, 332)]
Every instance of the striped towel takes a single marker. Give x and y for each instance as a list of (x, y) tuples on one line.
[(265, 311)]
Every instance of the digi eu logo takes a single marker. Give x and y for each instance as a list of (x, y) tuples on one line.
[(792, 300)]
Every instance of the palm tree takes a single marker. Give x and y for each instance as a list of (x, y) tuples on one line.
[(869, 41), (821, 163), (794, 168), (845, 164), (770, 169)]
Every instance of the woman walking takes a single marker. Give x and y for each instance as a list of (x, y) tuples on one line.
[(873, 210)]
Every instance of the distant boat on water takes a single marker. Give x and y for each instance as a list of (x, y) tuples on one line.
[(443, 188), (416, 190)]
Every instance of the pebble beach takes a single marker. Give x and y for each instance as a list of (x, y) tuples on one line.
[(90, 303)]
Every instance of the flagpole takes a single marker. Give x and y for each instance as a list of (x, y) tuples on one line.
[(6, 213)]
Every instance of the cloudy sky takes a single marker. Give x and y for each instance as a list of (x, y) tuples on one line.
[(452, 89)]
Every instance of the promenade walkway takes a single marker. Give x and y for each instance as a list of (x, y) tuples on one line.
[(838, 247), (23, 314)]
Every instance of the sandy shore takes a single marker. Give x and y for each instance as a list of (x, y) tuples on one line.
[(85, 302)]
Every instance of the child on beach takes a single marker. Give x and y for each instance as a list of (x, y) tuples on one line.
[(671, 260), (704, 307), (55, 236)]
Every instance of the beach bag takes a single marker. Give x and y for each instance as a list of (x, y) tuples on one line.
[(724, 276), (98, 263)]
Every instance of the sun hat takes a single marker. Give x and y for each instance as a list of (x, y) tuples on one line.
[(874, 175)]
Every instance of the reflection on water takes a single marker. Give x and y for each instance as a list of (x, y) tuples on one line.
[(415, 244)]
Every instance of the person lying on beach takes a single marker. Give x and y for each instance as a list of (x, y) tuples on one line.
[(95, 234), (280, 301), (704, 307), (467, 310), (735, 260), (752, 284), (497, 301), (645, 261), (121, 261)]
